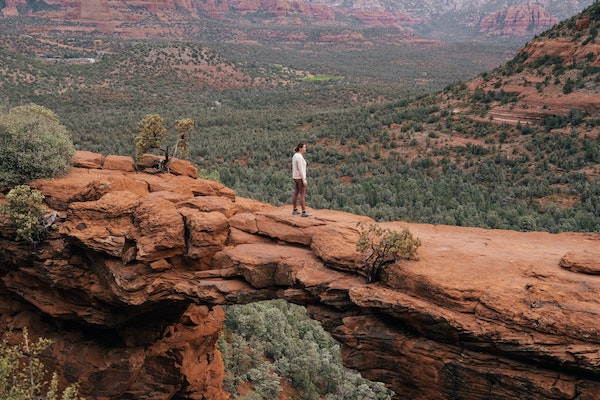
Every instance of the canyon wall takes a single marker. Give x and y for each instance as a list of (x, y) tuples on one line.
[(518, 21), (513, 20)]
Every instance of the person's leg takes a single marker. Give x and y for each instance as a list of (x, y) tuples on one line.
[(295, 195), (297, 188), (302, 194)]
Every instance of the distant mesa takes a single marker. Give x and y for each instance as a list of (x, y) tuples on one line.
[(517, 20)]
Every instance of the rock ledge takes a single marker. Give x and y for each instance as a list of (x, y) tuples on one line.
[(129, 281)]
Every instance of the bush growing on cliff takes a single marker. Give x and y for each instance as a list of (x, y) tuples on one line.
[(152, 134), (24, 208), (23, 374), (384, 246), (33, 144)]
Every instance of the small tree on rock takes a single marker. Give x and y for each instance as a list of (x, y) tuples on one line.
[(183, 128), (384, 246), (152, 135)]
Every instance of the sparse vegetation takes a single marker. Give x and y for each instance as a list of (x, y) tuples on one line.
[(25, 209), (272, 345), (23, 374)]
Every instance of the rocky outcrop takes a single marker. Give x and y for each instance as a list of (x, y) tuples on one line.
[(10, 8), (548, 63), (129, 280), (523, 20), (385, 19), (119, 12), (513, 18)]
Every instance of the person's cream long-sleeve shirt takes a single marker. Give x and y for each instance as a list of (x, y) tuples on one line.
[(299, 167)]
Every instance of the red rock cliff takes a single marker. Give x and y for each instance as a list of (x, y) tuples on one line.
[(518, 21), (98, 12), (129, 280)]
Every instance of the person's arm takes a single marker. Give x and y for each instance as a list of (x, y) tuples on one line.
[(302, 169)]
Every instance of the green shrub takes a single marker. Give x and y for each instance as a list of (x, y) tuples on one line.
[(268, 343), (183, 127), (568, 86), (384, 246), (23, 374), (210, 175), (24, 208), (152, 134), (33, 145)]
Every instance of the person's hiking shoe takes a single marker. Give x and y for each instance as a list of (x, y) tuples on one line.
[(306, 214), (295, 212)]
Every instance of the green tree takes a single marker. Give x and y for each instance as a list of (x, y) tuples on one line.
[(384, 246), (568, 86), (183, 127), (268, 342), (23, 374), (33, 144), (152, 134)]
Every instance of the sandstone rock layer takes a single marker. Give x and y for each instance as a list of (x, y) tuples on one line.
[(129, 280)]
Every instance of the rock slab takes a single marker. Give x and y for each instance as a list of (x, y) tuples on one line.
[(129, 281)]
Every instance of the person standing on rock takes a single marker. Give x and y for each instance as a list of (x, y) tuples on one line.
[(300, 182)]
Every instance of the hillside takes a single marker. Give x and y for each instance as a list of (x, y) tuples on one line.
[(384, 141), (516, 148), (550, 87), (532, 123), (555, 74)]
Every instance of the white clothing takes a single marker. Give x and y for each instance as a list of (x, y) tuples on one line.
[(299, 167)]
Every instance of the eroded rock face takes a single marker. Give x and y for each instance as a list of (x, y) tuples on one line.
[(130, 277), (101, 11), (520, 20)]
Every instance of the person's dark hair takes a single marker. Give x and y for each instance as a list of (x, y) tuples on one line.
[(299, 146)]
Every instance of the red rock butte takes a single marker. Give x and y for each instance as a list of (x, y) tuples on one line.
[(129, 281), (111, 15)]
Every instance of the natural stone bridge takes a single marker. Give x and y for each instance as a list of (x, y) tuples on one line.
[(129, 280)]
